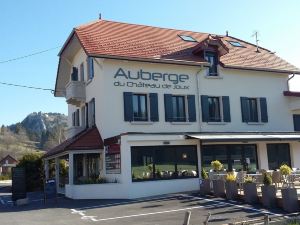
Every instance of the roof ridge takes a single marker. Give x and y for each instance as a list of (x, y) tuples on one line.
[(165, 28)]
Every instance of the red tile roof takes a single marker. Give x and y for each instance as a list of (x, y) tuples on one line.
[(291, 93), (88, 139), (108, 38)]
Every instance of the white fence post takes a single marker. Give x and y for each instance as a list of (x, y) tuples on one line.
[(187, 218)]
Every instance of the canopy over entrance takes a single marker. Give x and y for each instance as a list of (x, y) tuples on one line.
[(244, 137)]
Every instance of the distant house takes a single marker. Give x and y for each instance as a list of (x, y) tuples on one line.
[(7, 163)]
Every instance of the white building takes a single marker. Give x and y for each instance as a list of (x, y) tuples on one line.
[(149, 107)]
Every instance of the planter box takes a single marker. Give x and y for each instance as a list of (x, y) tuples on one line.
[(231, 190), (269, 196), (205, 187), (250, 193), (219, 188), (290, 200)]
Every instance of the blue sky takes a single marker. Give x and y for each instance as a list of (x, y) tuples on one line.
[(33, 25)]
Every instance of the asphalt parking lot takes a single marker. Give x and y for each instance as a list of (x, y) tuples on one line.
[(168, 209)]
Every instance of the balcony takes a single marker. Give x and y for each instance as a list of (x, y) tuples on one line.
[(72, 131), (75, 92), (294, 99)]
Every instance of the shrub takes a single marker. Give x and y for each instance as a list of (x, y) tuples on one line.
[(216, 165), (267, 179), (204, 174), (249, 180), (230, 177), (34, 171), (285, 170)]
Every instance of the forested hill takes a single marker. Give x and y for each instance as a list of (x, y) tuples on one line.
[(38, 131)]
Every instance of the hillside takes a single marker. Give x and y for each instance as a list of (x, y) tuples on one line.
[(38, 131)]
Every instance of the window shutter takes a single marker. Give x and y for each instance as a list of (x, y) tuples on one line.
[(245, 109), (168, 107), (191, 108), (226, 109), (263, 110), (296, 122), (154, 107), (128, 108), (87, 115), (90, 63), (204, 107)]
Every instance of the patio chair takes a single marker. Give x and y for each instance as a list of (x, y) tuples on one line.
[(276, 178)]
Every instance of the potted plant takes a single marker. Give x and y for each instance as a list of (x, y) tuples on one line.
[(250, 191), (205, 183), (218, 184), (231, 186), (289, 195), (268, 192)]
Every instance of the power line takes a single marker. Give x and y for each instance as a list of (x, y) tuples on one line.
[(25, 86), (29, 55)]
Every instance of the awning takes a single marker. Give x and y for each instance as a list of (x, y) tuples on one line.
[(244, 137)]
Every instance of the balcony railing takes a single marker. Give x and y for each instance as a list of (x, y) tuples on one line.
[(75, 92)]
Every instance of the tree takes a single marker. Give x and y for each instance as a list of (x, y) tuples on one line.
[(34, 169), (2, 131)]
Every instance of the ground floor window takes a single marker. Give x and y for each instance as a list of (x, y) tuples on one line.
[(163, 162), (86, 168), (233, 157), (278, 154)]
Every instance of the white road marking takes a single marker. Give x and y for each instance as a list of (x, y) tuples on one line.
[(216, 203)]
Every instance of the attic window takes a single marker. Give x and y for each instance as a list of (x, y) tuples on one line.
[(235, 43), (187, 38)]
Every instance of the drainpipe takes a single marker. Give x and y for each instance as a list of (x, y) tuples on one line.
[(198, 97), (288, 81)]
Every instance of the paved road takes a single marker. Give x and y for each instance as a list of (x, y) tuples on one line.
[(164, 210)]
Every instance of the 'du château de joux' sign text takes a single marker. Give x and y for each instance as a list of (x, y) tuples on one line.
[(146, 79)]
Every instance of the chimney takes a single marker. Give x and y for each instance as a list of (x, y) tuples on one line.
[(226, 33), (100, 16)]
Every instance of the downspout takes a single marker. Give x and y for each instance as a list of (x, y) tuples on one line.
[(288, 81), (198, 97)]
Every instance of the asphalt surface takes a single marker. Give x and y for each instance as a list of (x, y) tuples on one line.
[(163, 210)]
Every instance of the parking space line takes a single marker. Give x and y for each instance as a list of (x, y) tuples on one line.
[(2, 201)]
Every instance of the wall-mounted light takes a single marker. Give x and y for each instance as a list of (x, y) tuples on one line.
[(184, 155)]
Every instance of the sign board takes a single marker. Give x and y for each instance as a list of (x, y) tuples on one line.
[(18, 183), (50, 189), (113, 163)]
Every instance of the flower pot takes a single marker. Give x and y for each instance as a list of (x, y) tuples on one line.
[(205, 187), (250, 193), (231, 190), (219, 188), (269, 196), (290, 200)]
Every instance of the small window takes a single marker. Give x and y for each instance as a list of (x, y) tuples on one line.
[(212, 58), (187, 38), (178, 104), (75, 118), (90, 68), (214, 109), (235, 43), (140, 109)]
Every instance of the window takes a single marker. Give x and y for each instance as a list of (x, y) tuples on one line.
[(90, 67), (140, 109), (278, 154), (75, 118), (178, 104), (86, 168), (215, 109), (296, 119), (91, 113), (179, 108), (81, 72), (233, 157), (163, 162), (254, 110), (83, 118), (212, 58), (74, 75), (187, 38), (235, 43)]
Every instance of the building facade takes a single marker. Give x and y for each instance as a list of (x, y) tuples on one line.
[(6, 164), (149, 107)]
